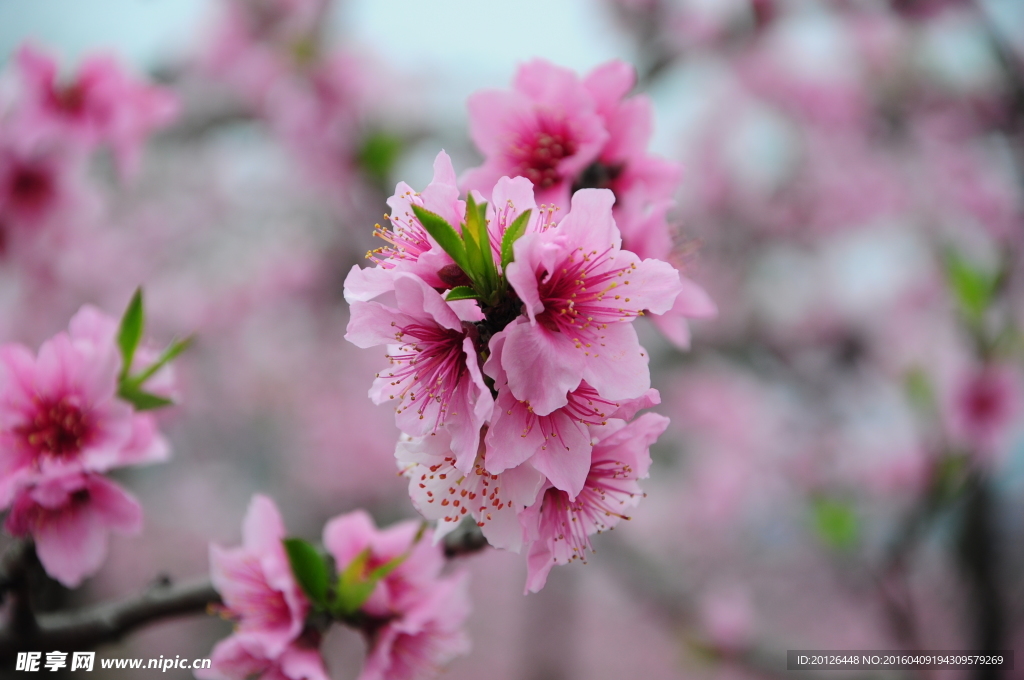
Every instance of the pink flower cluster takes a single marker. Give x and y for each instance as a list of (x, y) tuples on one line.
[(274, 57), (515, 385), (412, 619), (62, 426), (564, 133), (52, 124)]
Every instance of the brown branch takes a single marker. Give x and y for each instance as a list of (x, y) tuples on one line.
[(106, 622), (462, 543)]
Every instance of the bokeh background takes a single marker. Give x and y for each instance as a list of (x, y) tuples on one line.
[(845, 467)]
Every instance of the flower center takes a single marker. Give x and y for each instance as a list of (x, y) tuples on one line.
[(30, 187), (984, 403), (406, 240), (58, 429), (430, 362), (70, 98), (584, 295), (537, 155)]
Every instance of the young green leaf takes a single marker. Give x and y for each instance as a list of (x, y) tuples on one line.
[(379, 153), (309, 569), (353, 588), (972, 287), (129, 334), (142, 401), (835, 522), (461, 293), (512, 234), (176, 348), (444, 234), (385, 569), (478, 248)]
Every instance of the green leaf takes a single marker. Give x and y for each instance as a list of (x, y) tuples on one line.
[(385, 569), (461, 293), (130, 332), (972, 287), (142, 401), (445, 235), (478, 248), (919, 389), (355, 585), (176, 348), (353, 589), (309, 568), (512, 234), (379, 153), (835, 522)]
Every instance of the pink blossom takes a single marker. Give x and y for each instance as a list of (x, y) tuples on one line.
[(101, 104), (546, 129), (59, 412), (40, 180), (623, 164), (256, 582), (645, 231), (983, 407), (425, 638), (434, 378), (441, 492), (580, 292), (241, 657), (561, 528), (410, 248), (69, 518), (146, 444), (557, 444), (346, 536)]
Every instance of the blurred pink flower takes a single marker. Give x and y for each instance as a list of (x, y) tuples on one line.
[(256, 582), (984, 405), (560, 529), (243, 657), (346, 536), (59, 412), (623, 164), (69, 517), (40, 182), (545, 129), (101, 104), (425, 638)]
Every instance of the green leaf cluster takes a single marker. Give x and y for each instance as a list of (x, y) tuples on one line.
[(472, 251), (343, 596), (130, 386)]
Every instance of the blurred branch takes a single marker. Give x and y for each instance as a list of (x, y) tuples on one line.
[(979, 555), (16, 568), (464, 542), (106, 622)]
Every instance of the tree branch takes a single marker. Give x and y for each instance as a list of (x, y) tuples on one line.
[(107, 622)]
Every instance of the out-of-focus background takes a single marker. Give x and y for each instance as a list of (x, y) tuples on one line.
[(845, 465)]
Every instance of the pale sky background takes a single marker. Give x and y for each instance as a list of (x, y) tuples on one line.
[(447, 48)]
